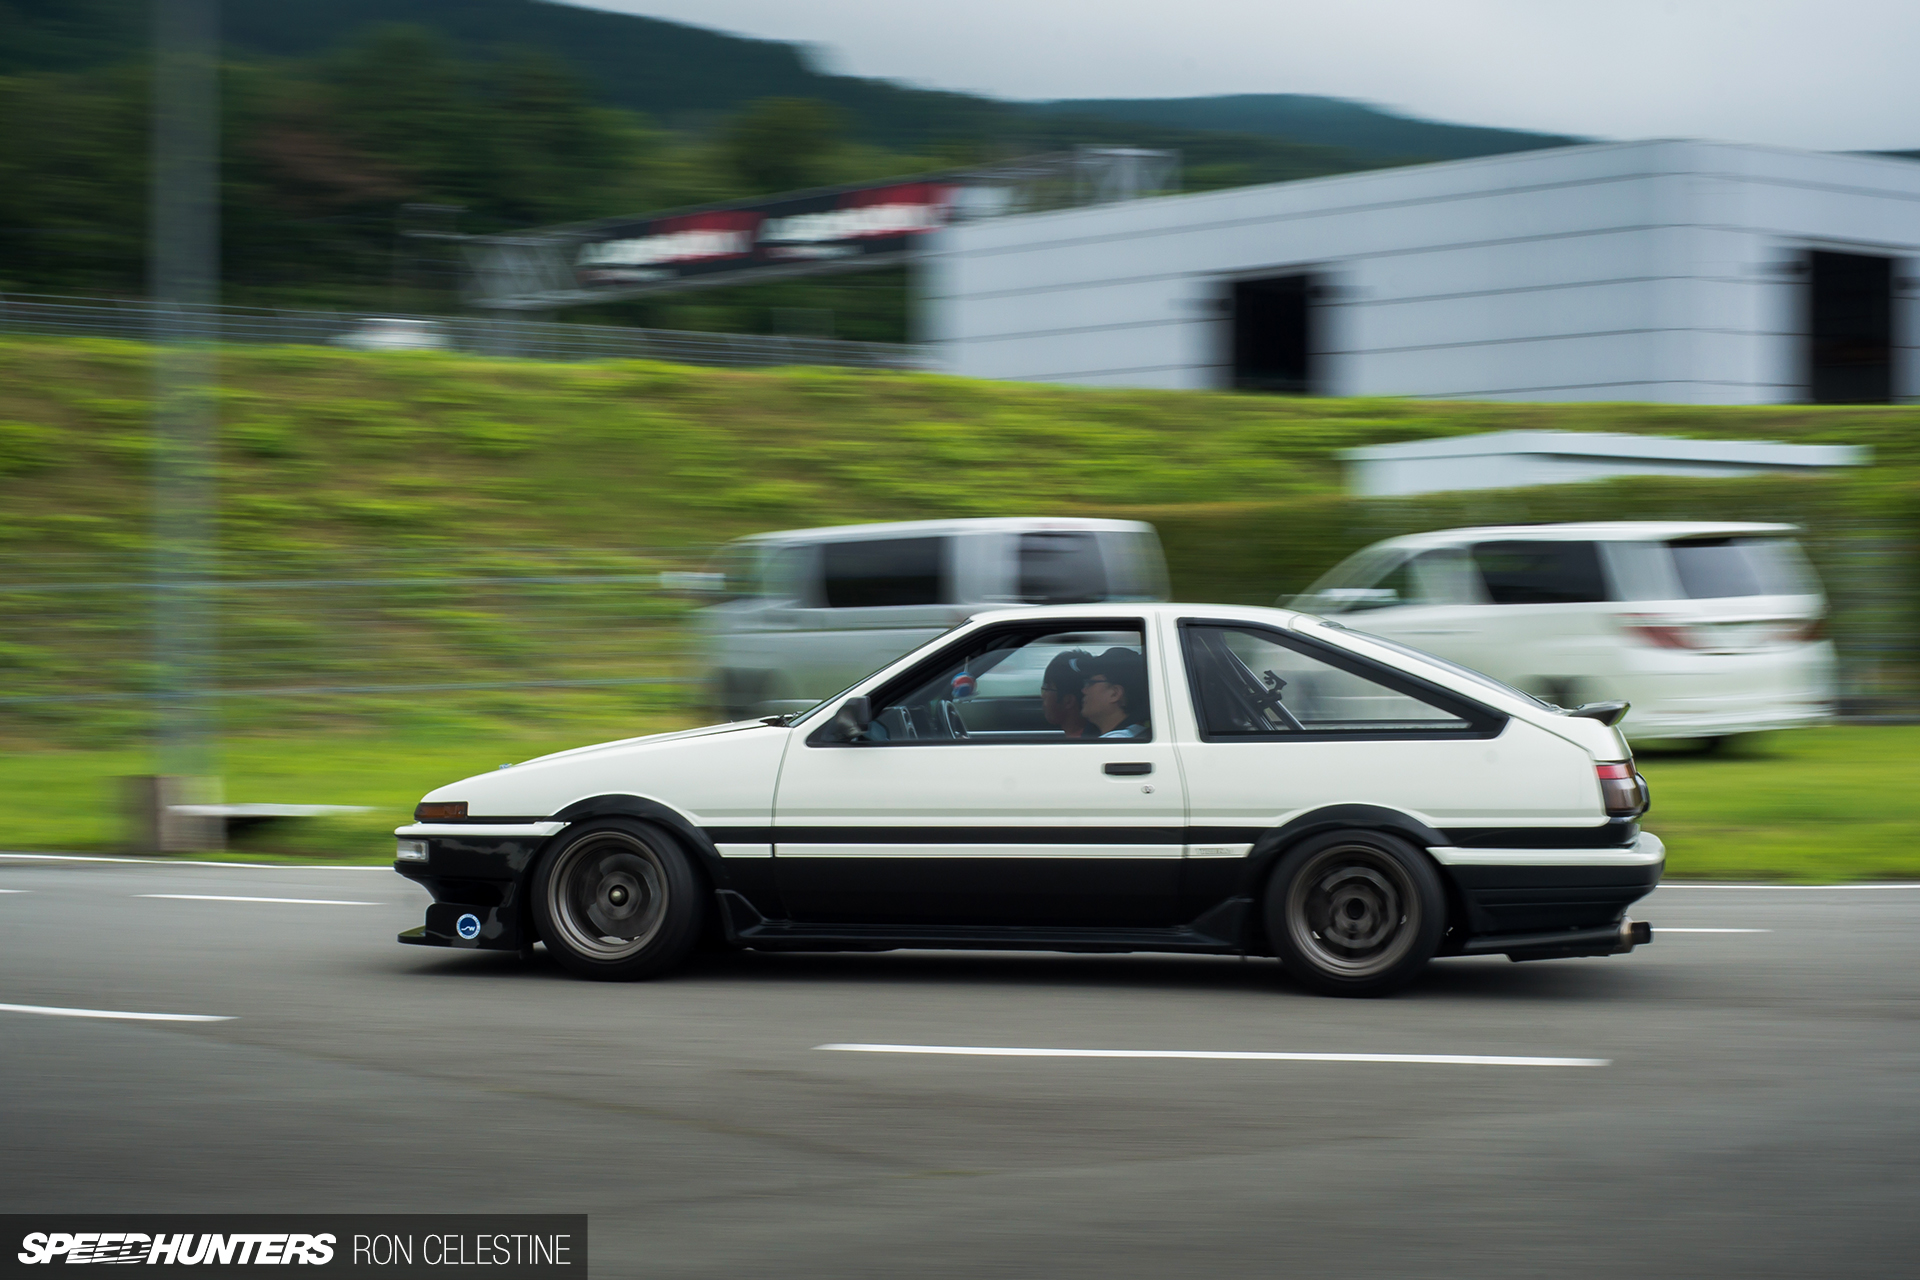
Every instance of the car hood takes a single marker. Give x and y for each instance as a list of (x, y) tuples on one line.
[(535, 785)]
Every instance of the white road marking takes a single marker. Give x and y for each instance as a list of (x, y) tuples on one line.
[(221, 897), (1452, 1059), (54, 1012), (1671, 930), (16, 891), (1736, 884), (196, 862)]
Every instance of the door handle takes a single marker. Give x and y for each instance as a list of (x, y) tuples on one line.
[(1128, 770)]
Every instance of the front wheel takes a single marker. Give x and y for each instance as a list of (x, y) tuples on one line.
[(617, 899), (1355, 913)]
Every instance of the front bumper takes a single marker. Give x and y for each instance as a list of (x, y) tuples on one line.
[(477, 876)]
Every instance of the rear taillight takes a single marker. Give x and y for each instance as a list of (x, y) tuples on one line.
[(1622, 791), (1807, 632), (1661, 635)]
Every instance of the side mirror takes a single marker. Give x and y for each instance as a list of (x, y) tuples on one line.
[(851, 721)]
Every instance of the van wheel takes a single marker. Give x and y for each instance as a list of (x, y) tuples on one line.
[(1355, 913), (617, 900)]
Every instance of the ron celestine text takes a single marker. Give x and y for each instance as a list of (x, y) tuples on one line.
[(437, 1249)]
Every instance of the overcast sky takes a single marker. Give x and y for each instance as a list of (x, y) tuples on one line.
[(1836, 75)]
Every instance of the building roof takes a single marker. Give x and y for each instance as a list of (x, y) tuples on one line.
[(1620, 446)]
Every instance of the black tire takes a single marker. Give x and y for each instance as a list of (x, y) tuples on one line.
[(1355, 913), (616, 899)]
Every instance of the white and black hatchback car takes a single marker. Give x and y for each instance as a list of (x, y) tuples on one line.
[(1144, 777)]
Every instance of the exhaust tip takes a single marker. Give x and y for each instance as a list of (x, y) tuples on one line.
[(1634, 933)]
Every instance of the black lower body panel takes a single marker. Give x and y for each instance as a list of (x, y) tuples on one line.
[(1218, 932), (472, 926), (477, 883), (1544, 899)]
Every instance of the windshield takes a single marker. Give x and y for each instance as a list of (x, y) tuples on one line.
[(834, 701)]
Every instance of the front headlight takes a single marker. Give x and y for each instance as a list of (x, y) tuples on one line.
[(410, 851)]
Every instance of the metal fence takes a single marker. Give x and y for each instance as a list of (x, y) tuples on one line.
[(528, 339)]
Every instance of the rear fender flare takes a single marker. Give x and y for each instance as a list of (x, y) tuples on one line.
[(1273, 845)]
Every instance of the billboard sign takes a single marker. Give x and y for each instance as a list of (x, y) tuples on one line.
[(876, 222)]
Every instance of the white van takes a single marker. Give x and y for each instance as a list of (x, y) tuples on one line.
[(807, 612), (1708, 630)]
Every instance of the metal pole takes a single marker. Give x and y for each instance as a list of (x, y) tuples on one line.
[(184, 281)]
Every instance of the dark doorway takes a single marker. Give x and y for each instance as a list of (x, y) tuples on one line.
[(1273, 335), (1850, 330)]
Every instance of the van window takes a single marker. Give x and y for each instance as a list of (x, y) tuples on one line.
[(876, 573), (1061, 567), (1136, 569), (1540, 572), (1714, 568)]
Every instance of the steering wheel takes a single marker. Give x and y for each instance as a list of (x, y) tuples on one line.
[(948, 719)]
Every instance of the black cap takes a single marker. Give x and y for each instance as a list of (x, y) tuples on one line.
[(1125, 668)]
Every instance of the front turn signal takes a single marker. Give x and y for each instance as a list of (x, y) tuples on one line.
[(440, 811)]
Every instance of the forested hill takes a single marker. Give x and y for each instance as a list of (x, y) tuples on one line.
[(678, 74), (1354, 127)]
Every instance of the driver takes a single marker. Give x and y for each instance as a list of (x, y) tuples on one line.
[(1114, 697), (1060, 694)]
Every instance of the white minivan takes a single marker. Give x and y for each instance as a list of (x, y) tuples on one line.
[(1708, 630), (806, 612)]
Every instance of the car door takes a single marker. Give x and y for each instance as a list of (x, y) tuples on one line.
[(964, 806), (1283, 726)]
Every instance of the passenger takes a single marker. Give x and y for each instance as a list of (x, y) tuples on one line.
[(1060, 693), (1114, 698)]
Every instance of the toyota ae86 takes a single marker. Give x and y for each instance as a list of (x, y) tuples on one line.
[(1091, 778)]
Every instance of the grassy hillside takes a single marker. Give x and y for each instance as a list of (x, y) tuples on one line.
[(333, 449), (414, 538)]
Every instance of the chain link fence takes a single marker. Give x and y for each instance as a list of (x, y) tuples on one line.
[(527, 339)]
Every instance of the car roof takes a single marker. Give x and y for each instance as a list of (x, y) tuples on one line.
[(1142, 608), (1588, 530), (990, 524)]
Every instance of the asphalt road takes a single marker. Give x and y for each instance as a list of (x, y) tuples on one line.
[(1758, 1115)]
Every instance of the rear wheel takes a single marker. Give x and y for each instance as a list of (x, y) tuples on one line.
[(617, 900), (1355, 913)]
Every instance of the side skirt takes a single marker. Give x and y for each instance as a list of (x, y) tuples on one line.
[(1219, 931)]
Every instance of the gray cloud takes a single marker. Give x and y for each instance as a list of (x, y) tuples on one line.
[(1832, 75)]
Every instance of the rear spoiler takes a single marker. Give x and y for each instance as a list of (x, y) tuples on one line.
[(1607, 713)]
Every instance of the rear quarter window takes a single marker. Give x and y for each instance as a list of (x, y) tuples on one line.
[(1716, 568)]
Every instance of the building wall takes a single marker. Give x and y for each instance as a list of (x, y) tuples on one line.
[(1644, 271)]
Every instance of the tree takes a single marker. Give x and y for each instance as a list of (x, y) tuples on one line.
[(780, 144)]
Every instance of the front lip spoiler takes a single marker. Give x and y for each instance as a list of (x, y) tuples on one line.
[(1610, 940)]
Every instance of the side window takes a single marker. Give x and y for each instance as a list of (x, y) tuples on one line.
[(1061, 568), (1248, 683), (1540, 572), (884, 572), (1026, 684)]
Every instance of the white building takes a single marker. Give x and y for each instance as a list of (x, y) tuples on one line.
[(1684, 272), (1511, 459)]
